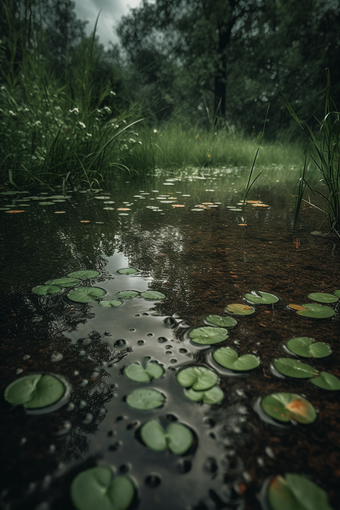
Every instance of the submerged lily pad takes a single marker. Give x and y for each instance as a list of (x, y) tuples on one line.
[(222, 322), (295, 492), (261, 298), (115, 303), (228, 358), (323, 297), (138, 373), (212, 396), (208, 335), (63, 282), (239, 309), (153, 295), (128, 294), (288, 406), (197, 378), (326, 381), (308, 347), (95, 489), (35, 391), (83, 275), (316, 311), (294, 368), (127, 270), (144, 399), (42, 290), (178, 438), (85, 294)]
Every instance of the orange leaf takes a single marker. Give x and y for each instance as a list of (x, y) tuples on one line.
[(123, 209), (253, 202), (242, 224), (13, 212), (84, 221), (177, 205), (260, 205), (296, 307), (59, 212)]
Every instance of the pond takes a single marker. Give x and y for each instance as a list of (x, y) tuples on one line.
[(190, 239)]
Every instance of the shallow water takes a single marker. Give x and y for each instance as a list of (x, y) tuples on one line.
[(201, 259)]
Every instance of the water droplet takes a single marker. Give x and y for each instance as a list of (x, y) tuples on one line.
[(260, 461), (114, 447), (153, 480), (32, 486), (170, 322), (172, 368), (19, 371), (120, 343), (23, 441), (149, 334), (147, 357), (102, 411), (132, 425), (52, 448), (137, 315), (168, 352), (46, 482), (183, 466), (120, 418), (183, 351), (210, 465), (95, 375), (87, 419), (210, 422), (145, 314), (87, 341), (132, 329), (56, 356), (84, 382), (71, 407), (168, 347), (67, 425), (269, 452), (124, 468), (162, 340), (82, 404), (27, 356), (76, 373), (173, 360), (140, 342)]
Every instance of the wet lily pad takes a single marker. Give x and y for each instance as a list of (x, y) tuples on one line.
[(128, 294), (294, 368), (153, 295), (323, 297), (138, 373), (295, 492), (144, 399), (220, 321), (85, 294), (46, 203), (326, 381), (83, 275), (337, 293), (35, 391), (178, 438), (115, 303), (228, 358), (197, 378), (42, 290), (316, 311), (212, 396), (261, 298), (63, 282), (95, 488), (208, 335), (288, 406), (308, 347), (127, 270), (239, 309)]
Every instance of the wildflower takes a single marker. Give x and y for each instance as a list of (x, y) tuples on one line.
[(88, 135), (75, 111), (208, 155), (155, 131), (107, 110), (197, 137), (12, 113), (131, 140), (140, 142), (113, 93), (81, 125)]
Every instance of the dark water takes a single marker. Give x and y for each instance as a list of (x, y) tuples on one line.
[(202, 260)]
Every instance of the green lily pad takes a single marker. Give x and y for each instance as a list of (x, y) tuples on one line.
[(85, 294), (83, 275), (308, 347), (294, 368), (42, 290), (222, 322), (127, 270), (208, 335), (46, 203), (35, 391), (115, 303), (63, 282), (153, 295), (145, 399), (326, 381), (288, 406), (261, 298), (337, 293), (95, 489), (178, 438), (323, 297), (228, 358), (137, 373), (212, 396), (295, 492), (316, 311), (128, 294), (240, 309), (197, 378)]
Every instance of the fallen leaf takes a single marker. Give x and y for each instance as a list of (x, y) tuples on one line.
[(296, 307), (13, 212), (177, 205), (123, 209), (84, 221), (253, 202), (59, 212), (260, 205), (242, 224)]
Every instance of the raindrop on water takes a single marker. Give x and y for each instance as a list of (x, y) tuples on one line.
[(23, 441), (56, 356), (19, 371), (82, 404), (140, 342), (84, 382), (71, 407), (120, 343), (27, 356), (88, 419), (153, 480), (162, 339), (184, 466)]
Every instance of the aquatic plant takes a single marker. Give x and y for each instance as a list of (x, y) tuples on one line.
[(323, 297), (197, 378), (128, 294), (43, 290), (83, 275), (113, 303), (152, 295), (220, 321), (294, 368), (85, 294), (137, 373), (212, 396), (178, 438), (208, 335), (127, 270), (35, 391), (145, 399), (326, 381), (313, 310), (228, 358), (261, 298), (64, 282), (308, 348), (240, 309), (288, 406)]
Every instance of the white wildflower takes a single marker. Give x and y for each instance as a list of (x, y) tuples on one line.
[(75, 111), (113, 93), (12, 113), (107, 110), (155, 131), (81, 125), (131, 140)]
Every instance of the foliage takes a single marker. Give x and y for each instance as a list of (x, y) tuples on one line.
[(294, 368), (145, 399), (178, 438), (326, 381), (288, 406), (222, 322), (240, 309), (137, 373), (34, 391), (261, 298), (212, 396), (85, 294), (228, 358), (208, 335), (308, 347)]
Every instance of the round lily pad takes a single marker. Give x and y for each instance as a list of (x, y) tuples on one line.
[(128, 294), (294, 368), (288, 406), (95, 488), (323, 297), (63, 282), (220, 321), (144, 399), (308, 347), (326, 381), (115, 303), (239, 309), (337, 293), (85, 294), (46, 203), (295, 492), (178, 438), (197, 378), (138, 373), (261, 298), (127, 270), (35, 391), (228, 358), (316, 311), (43, 290), (212, 396), (153, 295), (83, 275), (208, 335)]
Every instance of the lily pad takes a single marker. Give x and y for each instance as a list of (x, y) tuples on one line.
[(128, 294), (308, 347), (83, 275), (212, 396), (220, 321), (288, 406), (144, 399), (137, 373), (115, 303), (326, 381), (127, 270), (178, 438), (85, 294), (153, 295), (294, 368), (208, 335), (239, 309), (197, 378), (337, 293), (295, 492), (95, 489), (63, 282), (42, 290), (228, 358), (261, 298), (46, 203), (35, 391), (316, 311), (323, 297)]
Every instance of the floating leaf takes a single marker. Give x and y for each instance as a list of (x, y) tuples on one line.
[(46, 203), (137, 372), (316, 311), (153, 295), (228, 358), (115, 303), (294, 368), (323, 297), (222, 322), (83, 275), (16, 211), (295, 492), (85, 294), (42, 290), (63, 282), (288, 406), (128, 294), (308, 348), (94, 489), (208, 335), (127, 270), (35, 391), (178, 438), (326, 381), (197, 378), (263, 299), (145, 399), (212, 396), (337, 293), (239, 309), (296, 307)]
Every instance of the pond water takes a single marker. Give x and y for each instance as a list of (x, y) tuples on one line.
[(191, 240)]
